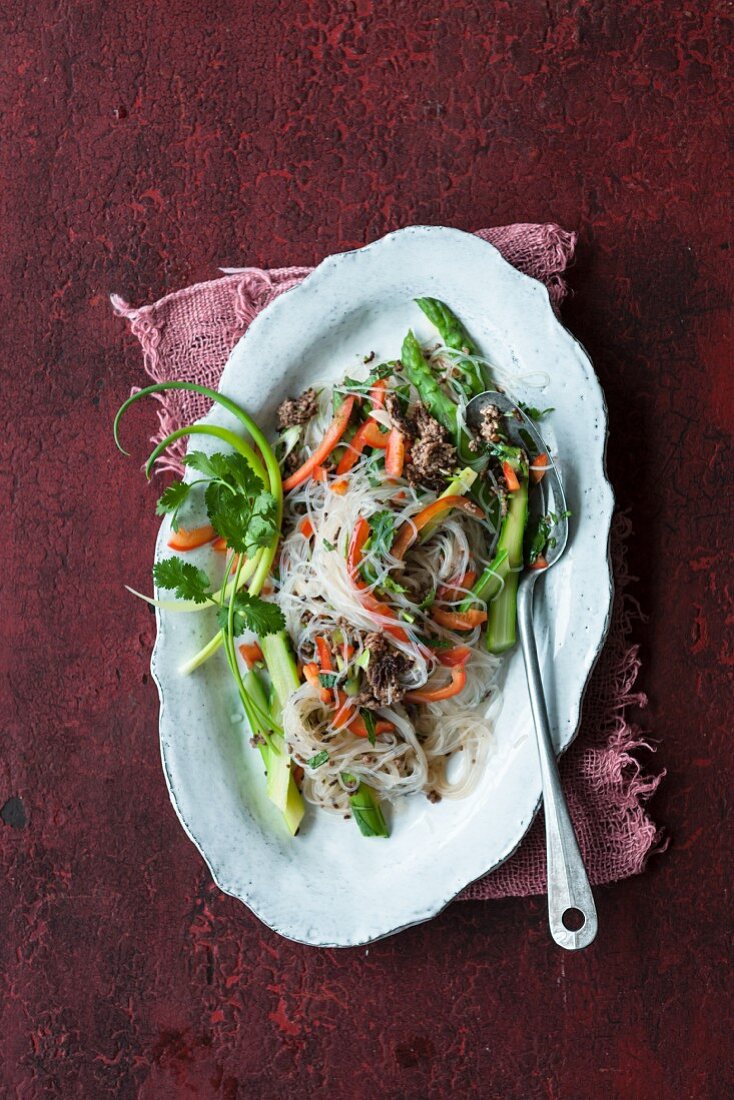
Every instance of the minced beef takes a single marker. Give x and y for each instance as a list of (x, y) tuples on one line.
[(383, 673), (490, 424), (297, 410), (432, 454), (399, 420)]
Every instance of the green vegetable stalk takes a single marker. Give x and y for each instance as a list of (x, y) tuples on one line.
[(455, 336), (244, 498), (497, 585)]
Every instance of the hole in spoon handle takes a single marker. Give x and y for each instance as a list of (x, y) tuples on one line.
[(571, 909)]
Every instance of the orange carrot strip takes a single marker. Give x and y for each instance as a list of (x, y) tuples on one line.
[(322, 647), (459, 655), (360, 534), (306, 527), (311, 672), (395, 454), (510, 477), (332, 436), (251, 653), (427, 694), (536, 474), (377, 394), (189, 540), (539, 563), (220, 544), (451, 591), (367, 435), (459, 620), (340, 487)]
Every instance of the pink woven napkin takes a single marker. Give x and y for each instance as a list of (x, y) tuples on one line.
[(189, 335)]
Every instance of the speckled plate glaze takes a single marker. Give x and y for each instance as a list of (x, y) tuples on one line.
[(330, 886)]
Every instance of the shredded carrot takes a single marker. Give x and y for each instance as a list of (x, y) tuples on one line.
[(538, 468), (459, 620), (306, 527), (459, 655), (251, 653), (322, 647), (340, 487), (451, 591), (367, 435), (510, 477), (189, 540), (408, 533), (377, 394), (539, 563), (428, 694), (332, 436), (360, 534), (319, 474), (220, 544), (311, 672), (395, 454)]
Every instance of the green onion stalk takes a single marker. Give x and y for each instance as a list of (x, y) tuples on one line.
[(281, 785)]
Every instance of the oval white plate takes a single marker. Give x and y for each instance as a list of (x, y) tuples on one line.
[(330, 886)]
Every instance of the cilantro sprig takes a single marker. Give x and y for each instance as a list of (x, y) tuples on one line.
[(244, 514), (188, 582)]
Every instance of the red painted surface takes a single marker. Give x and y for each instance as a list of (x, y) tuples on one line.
[(144, 144)]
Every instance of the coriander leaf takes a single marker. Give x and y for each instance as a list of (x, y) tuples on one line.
[(188, 582), (252, 613), (327, 679), (262, 528), (533, 412), (382, 526), (364, 385), (198, 460), (317, 760), (171, 500), (328, 545)]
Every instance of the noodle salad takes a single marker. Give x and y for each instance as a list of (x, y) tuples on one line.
[(369, 566)]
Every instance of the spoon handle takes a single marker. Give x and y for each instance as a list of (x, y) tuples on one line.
[(568, 884)]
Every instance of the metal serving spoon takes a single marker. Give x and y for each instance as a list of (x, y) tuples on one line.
[(568, 883)]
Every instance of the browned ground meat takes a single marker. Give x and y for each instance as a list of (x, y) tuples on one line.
[(490, 424), (432, 454), (401, 422), (297, 410), (383, 673)]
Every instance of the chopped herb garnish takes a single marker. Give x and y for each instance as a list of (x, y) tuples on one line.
[(252, 613), (427, 600), (369, 722), (328, 545), (327, 679), (317, 760), (542, 536), (534, 413), (382, 526)]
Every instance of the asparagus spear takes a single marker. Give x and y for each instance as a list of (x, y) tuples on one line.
[(420, 374), (455, 336)]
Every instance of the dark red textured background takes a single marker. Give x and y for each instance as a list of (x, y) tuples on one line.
[(144, 144)]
